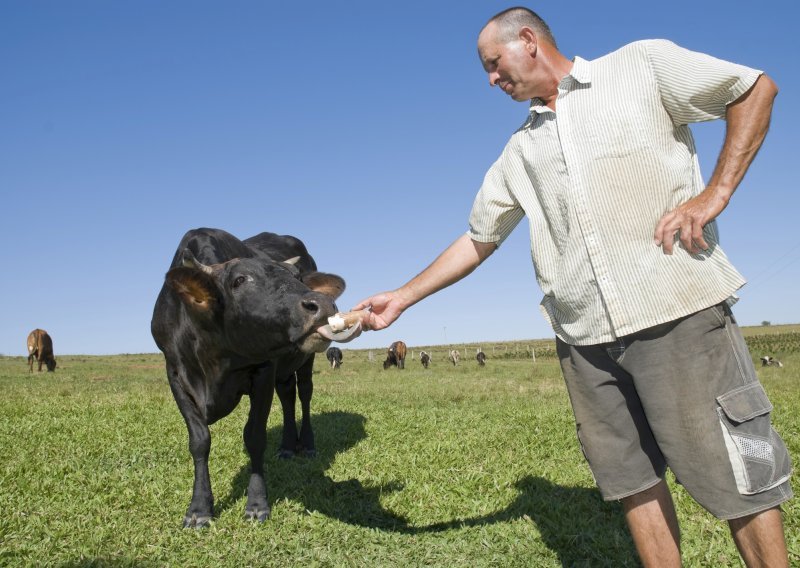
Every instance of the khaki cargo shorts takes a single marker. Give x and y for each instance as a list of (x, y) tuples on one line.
[(682, 395)]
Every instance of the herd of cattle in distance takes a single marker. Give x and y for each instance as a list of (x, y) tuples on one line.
[(396, 357)]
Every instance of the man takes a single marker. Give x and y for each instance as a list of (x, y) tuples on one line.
[(636, 287)]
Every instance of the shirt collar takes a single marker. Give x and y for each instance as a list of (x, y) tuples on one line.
[(581, 72)]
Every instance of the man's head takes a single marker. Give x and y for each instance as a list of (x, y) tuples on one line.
[(513, 47), (509, 23)]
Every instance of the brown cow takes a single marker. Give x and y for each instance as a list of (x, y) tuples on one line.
[(40, 347), (396, 355)]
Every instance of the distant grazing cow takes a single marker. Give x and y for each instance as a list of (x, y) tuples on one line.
[(396, 355), (334, 355), (481, 358), (40, 347), (240, 318), (455, 356), (425, 359), (769, 361)]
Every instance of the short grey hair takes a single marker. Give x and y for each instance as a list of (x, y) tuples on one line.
[(510, 21)]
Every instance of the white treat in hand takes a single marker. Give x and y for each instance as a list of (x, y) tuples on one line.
[(346, 320), (337, 322)]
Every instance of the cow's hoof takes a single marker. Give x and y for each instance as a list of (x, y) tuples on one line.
[(310, 453), (257, 514), (196, 521), (285, 454)]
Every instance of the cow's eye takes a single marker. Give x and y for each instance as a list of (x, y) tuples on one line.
[(239, 281)]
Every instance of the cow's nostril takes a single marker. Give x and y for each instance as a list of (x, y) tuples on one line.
[(310, 306)]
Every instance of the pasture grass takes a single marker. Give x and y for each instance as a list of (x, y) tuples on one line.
[(450, 466)]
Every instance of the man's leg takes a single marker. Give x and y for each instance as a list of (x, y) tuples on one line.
[(653, 524), (760, 539)]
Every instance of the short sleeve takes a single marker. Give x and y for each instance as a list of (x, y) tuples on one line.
[(696, 87), (495, 211)]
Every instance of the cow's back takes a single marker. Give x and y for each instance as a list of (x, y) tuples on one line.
[(40, 343)]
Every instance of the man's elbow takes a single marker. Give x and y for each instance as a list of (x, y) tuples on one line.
[(759, 96), (484, 250), (768, 87)]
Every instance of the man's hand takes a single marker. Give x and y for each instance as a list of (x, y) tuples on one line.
[(687, 221), (386, 307)]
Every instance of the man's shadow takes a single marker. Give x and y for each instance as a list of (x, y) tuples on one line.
[(574, 522)]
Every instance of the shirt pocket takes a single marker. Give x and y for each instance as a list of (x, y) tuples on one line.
[(614, 137)]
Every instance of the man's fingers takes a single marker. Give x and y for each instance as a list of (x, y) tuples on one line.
[(666, 232), (698, 240), (659, 236)]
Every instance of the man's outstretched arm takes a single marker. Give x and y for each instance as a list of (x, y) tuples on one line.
[(457, 261)]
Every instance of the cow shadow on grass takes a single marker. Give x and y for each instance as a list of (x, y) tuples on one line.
[(573, 522), (304, 480)]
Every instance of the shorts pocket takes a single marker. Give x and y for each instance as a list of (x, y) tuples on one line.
[(758, 456)]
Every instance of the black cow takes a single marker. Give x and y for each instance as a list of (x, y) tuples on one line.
[(766, 361), (334, 355), (425, 359), (241, 318), (396, 355), (481, 358)]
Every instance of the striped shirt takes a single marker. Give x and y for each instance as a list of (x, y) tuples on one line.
[(595, 177)]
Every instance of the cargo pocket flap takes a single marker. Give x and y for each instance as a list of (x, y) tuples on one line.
[(745, 403)]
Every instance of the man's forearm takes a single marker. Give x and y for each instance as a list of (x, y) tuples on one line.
[(456, 262), (747, 124)]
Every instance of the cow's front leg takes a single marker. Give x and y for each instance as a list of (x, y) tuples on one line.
[(255, 440), (287, 393), (201, 507), (305, 389)]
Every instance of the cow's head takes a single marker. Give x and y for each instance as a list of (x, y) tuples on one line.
[(259, 307), (51, 364)]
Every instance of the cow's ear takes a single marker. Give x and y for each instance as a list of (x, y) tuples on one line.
[(328, 284), (196, 289)]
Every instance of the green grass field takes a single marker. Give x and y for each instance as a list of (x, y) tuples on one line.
[(461, 466)]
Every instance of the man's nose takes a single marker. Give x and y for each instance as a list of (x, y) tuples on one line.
[(493, 77)]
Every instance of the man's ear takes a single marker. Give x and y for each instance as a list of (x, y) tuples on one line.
[(196, 289), (328, 284), (530, 39)]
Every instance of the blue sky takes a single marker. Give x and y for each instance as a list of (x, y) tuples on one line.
[(364, 128)]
